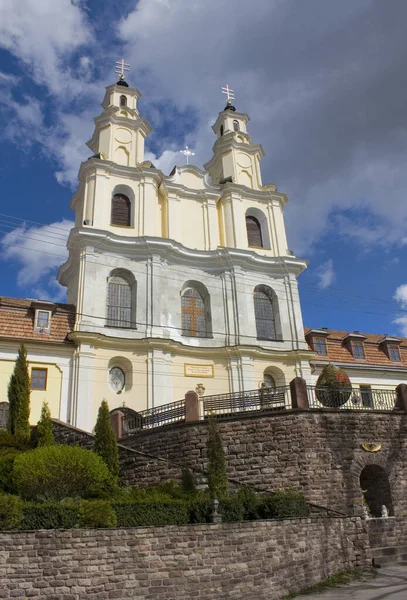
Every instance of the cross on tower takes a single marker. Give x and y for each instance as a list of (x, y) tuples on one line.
[(121, 67), (187, 152), (229, 93)]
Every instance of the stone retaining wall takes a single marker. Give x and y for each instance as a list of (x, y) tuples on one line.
[(252, 560), (389, 532)]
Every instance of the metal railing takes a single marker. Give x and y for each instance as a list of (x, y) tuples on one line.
[(351, 398), (156, 417), (249, 401)]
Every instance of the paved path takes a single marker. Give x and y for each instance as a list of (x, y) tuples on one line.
[(389, 584)]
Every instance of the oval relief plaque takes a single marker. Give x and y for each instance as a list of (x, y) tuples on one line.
[(243, 160), (123, 135)]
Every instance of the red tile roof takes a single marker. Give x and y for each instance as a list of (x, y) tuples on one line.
[(375, 353), (17, 320)]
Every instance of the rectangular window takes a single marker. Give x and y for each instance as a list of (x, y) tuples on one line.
[(357, 350), (320, 346), (394, 353), (39, 379), (42, 319), (366, 395)]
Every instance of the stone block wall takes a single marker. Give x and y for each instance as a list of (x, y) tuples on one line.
[(252, 560), (389, 532), (319, 452)]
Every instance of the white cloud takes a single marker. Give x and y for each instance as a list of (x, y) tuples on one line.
[(38, 251), (41, 35), (400, 295), (325, 274), (402, 322), (166, 161)]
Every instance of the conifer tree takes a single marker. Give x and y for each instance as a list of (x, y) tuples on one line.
[(45, 430), (19, 398), (217, 476), (105, 440)]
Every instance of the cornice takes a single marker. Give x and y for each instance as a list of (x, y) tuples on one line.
[(227, 143), (99, 165), (111, 118), (118, 88), (210, 260), (358, 366), (227, 113)]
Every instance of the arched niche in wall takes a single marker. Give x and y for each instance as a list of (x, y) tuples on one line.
[(120, 374), (262, 219), (122, 156), (375, 486)]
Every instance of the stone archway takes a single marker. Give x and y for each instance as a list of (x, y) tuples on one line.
[(375, 486)]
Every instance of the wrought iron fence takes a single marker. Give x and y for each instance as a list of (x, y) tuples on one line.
[(158, 416), (249, 401), (348, 397)]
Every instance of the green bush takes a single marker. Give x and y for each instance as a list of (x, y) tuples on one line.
[(10, 512), (45, 430), (105, 440), (97, 513), (7, 458), (50, 515), (140, 514), (232, 508), (284, 504), (7, 440), (187, 481), (58, 472), (217, 475)]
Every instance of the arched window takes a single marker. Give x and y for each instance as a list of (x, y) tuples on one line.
[(221, 130), (268, 382), (235, 125), (193, 313), (121, 210), (119, 302), (264, 314), (253, 228), (123, 101)]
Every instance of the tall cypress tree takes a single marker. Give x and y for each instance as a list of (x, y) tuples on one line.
[(45, 430), (105, 440), (217, 475), (19, 390)]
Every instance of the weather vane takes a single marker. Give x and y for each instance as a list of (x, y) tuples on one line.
[(229, 93), (121, 67), (187, 152)]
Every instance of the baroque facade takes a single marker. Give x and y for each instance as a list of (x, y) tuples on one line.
[(179, 281)]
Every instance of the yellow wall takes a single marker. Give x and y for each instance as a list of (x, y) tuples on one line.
[(52, 394)]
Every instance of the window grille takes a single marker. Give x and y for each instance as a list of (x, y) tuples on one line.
[(121, 209), (253, 228), (193, 314), (358, 350), (320, 346), (394, 353), (264, 314), (119, 302)]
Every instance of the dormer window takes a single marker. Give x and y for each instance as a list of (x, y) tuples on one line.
[(42, 321), (123, 101), (394, 353), (358, 350), (320, 346)]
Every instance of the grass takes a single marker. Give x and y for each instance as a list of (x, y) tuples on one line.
[(333, 581)]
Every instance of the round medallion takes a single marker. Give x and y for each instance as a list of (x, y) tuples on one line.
[(116, 379), (123, 135)]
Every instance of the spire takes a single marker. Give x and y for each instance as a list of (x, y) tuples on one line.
[(120, 68)]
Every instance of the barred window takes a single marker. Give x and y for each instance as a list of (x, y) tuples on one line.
[(118, 302), (264, 315), (121, 210), (193, 314), (253, 229)]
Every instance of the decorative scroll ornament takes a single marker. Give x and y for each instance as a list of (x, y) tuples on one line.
[(374, 447), (200, 389)]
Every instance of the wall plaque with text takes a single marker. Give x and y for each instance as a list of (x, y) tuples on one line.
[(198, 370)]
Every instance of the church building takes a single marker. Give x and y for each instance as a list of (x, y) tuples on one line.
[(181, 281)]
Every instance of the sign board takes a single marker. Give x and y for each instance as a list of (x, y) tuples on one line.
[(198, 370)]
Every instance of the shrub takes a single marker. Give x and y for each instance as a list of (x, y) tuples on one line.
[(200, 509), (19, 388), (45, 431), (50, 515), (333, 387), (7, 458), (10, 512), (232, 508), (251, 502), (284, 504), (139, 514), (59, 472), (97, 513), (105, 440), (217, 476), (187, 481)]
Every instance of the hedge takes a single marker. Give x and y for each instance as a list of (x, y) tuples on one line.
[(10, 512), (50, 515), (139, 514)]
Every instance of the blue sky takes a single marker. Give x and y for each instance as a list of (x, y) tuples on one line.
[(327, 99)]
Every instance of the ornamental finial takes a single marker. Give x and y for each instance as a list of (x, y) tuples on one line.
[(120, 68), (187, 152)]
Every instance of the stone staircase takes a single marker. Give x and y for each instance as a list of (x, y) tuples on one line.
[(389, 555)]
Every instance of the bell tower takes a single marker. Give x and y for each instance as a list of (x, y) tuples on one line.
[(235, 157)]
